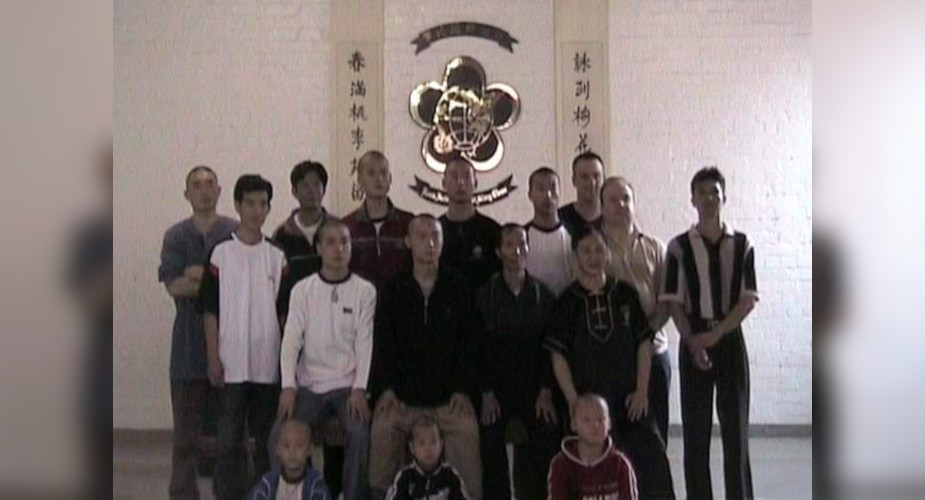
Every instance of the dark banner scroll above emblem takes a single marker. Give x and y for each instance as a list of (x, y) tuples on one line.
[(450, 30)]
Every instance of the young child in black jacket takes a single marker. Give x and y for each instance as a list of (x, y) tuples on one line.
[(428, 477)]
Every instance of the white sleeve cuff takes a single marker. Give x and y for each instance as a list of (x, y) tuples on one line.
[(675, 298)]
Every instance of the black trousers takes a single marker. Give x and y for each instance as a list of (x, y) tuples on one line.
[(334, 457), (729, 377), (642, 445), (659, 384), (212, 410), (823, 485), (188, 399), (253, 406), (531, 460)]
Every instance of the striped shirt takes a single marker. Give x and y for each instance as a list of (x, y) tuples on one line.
[(709, 279)]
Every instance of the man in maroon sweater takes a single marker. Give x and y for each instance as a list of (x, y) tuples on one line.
[(378, 228)]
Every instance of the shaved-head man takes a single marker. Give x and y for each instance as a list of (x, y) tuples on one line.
[(426, 361)]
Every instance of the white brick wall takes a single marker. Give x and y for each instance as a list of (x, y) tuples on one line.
[(243, 86), (239, 85), (728, 83)]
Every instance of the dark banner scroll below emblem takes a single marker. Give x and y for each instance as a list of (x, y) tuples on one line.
[(488, 32), (487, 197)]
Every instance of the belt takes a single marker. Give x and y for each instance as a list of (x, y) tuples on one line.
[(703, 325)]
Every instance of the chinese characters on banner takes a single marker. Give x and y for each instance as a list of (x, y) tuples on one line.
[(583, 119), (358, 109)]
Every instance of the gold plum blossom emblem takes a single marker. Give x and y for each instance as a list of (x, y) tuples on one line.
[(463, 116)]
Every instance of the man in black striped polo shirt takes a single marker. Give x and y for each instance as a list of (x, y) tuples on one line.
[(710, 287)]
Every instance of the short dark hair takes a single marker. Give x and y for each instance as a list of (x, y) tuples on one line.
[(584, 232), (424, 422), (587, 155), (250, 183), (508, 228), (197, 169), (709, 173), (369, 156), (328, 222), (307, 167), (616, 180), (538, 172)]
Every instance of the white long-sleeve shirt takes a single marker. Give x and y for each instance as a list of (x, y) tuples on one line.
[(331, 326)]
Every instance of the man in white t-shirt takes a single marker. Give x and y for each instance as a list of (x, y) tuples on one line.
[(550, 259), (327, 350), (243, 297)]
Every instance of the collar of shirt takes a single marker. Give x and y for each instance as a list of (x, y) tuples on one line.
[(498, 282), (334, 282), (390, 216), (433, 472), (531, 225), (727, 231), (609, 283), (234, 236), (635, 237), (294, 228), (570, 450)]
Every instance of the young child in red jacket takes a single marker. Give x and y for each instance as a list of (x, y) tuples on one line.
[(589, 467)]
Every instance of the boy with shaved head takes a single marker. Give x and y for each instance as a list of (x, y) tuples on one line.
[(589, 465)]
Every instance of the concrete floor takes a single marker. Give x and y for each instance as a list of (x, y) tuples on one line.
[(782, 469)]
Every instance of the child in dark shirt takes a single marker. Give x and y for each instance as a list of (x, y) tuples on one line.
[(428, 477)]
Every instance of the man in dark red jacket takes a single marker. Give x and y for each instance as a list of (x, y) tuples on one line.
[(377, 227)]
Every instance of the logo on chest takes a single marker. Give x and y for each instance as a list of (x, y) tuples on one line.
[(625, 316)]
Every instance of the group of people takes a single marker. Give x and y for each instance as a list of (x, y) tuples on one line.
[(426, 336)]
